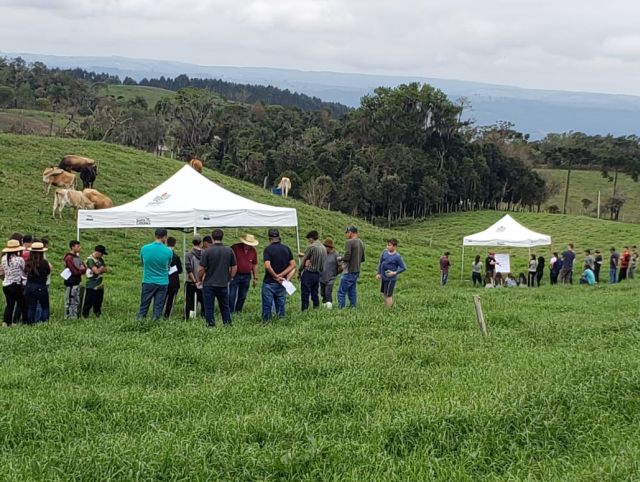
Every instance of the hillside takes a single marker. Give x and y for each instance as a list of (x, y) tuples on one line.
[(533, 111), (128, 92), (24, 121), (412, 393), (586, 184)]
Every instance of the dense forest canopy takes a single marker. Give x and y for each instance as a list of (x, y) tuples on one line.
[(405, 152)]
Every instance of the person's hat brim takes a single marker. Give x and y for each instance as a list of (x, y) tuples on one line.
[(13, 250), (255, 242)]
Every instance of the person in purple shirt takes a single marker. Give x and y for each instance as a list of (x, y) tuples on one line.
[(445, 264), (390, 266)]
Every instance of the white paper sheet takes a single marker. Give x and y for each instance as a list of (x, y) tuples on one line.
[(66, 274), (173, 269), (503, 263), (288, 285)]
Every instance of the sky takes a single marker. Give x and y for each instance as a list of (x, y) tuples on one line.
[(586, 45)]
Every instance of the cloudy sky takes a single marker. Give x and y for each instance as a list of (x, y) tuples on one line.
[(588, 45)]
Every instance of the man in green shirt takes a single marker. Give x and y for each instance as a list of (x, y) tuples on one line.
[(156, 259), (94, 291)]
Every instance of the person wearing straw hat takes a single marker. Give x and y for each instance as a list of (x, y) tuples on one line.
[(12, 266), (247, 273), (37, 270)]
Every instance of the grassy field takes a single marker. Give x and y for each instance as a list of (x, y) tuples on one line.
[(31, 121), (586, 184), (151, 94), (413, 393)]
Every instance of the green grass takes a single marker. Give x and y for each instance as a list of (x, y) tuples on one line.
[(128, 92), (413, 393), (586, 184)]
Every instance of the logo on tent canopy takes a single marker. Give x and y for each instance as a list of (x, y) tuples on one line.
[(159, 199), (501, 229)]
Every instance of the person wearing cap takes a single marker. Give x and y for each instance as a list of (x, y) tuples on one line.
[(37, 270), (14, 276), (77, 268), (175, 270), (351, 261), (312, 263), (156, 259), (332, 268), (217, 268), (193, 287), (633, 262), (246, 274), (597, 264), (278, 266), (94, 288)]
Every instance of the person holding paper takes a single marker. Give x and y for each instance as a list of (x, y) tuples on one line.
[(94, 291), (175, 270), (156, 258), (72, 275), (278, 266)]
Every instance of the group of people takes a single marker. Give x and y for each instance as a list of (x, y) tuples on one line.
[(561, 268), (213, 273)]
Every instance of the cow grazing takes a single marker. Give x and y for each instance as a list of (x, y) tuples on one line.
[(285, 186), (196, 164), (54, 176), (75, 163), (69, 198), (88, 175), (99, 200)]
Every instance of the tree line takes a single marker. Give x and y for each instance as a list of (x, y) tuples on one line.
[(405, 152)]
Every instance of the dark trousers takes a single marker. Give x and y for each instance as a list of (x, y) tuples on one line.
[(210, 294), (192, 296), (326, 291), (37, 293), (476, 278), (596, 272), (273, 294), (553, 277), (309, 286), (152, 291), (16, 303), (172, 292), (539, 275), (93, 299), (531, 279), (623, 274), (566, 275), (238, 289)]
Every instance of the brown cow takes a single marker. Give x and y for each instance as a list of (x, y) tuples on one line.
[(99, 200), (75, 163), (69, 198), (57, 177), (196, 164)]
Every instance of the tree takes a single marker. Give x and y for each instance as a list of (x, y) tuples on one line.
[(585, 204), (318, 191)]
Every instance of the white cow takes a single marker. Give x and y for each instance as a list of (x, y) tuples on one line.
[(285, 186), (70, 198)]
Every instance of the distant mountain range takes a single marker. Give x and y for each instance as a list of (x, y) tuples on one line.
[(536, 112)]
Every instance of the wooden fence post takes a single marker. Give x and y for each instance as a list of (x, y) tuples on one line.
[(480, 315)]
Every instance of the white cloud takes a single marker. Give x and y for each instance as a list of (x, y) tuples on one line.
[(573, 44)]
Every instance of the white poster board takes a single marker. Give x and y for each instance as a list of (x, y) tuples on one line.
[(503, 263)]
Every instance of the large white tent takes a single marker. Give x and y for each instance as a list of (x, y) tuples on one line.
[(506, 232), (188, 200)]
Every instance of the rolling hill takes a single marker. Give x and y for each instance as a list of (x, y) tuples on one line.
[(411, 393)]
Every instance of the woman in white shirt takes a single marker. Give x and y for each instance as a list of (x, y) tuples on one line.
[(13, 267), (533, 267)]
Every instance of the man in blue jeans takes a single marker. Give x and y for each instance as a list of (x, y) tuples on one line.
[(156, 259), (351, 260), (217, 268), (313, 261), (278, 265), (247, 273), (613, 266)]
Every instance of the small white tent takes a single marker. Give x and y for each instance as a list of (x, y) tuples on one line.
[(506, 232), (188, 200)]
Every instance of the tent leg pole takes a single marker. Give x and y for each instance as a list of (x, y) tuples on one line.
[(298, 241), (78, 234), (462, 264)]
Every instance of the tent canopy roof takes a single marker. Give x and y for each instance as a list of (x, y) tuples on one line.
[(507, 232), (187, 200)]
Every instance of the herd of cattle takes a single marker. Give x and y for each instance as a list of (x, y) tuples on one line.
[(63, 177)]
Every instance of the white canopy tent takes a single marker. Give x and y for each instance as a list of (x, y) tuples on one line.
[(506, 232), (189, 200)]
